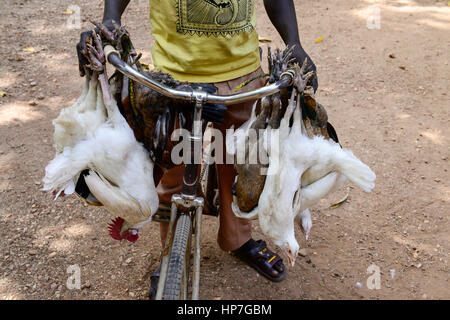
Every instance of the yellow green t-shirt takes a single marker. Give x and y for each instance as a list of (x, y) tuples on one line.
[(204, 40)]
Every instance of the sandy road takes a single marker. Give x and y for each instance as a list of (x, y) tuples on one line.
[(386, 91)]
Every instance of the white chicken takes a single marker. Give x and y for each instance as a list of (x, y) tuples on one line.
[(302, 171), (284, 197), (120, 170)]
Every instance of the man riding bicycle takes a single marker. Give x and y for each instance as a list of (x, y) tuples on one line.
[(215, 42)]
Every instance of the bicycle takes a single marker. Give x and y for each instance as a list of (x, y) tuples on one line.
[(185, 214)]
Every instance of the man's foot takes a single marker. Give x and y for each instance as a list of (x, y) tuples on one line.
[(258, 256), (154, 279)]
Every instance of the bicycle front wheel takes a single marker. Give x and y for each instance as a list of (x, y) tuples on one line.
[(177, 273)]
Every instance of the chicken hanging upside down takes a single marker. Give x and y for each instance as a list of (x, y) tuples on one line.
[(98, 154), (305, 163)]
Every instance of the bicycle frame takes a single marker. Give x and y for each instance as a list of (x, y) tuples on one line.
[(188, 199)]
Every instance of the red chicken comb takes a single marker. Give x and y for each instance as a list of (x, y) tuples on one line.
[(115, 227)]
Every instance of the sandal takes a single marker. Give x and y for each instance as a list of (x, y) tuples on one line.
[(154, 279), (258, 256)]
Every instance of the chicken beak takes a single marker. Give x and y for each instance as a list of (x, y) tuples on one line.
[(290, 257), (291, 260)]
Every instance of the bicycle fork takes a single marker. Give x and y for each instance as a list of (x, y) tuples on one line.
[(188, 202)]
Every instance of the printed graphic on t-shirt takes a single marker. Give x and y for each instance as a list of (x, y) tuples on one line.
[(214, 17)]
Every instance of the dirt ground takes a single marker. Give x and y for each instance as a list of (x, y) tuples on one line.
[(387, 92)]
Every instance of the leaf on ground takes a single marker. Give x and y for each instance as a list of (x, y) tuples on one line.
[(340, 202), (29, 49), (320, 39), (263, 40)]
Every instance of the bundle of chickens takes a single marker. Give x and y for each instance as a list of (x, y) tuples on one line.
[(109, 141), (305, 160)]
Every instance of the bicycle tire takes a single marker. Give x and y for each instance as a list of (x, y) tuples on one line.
[(208, 183), (179, 256)]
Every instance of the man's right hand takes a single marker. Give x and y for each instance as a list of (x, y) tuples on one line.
[(86, 37), (113, 11)]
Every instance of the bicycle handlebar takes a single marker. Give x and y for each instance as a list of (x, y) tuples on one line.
[(113, 57)]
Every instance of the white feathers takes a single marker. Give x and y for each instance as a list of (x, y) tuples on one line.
[(312, 193), (117, 200), (236, 141), (76, 122), (121, 172), (63, 171)]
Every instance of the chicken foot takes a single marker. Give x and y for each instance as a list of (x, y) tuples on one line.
[(279, 62), (97, 60)]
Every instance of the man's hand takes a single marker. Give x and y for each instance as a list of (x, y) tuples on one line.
[(282, 15), (85, 38), (111, 18)]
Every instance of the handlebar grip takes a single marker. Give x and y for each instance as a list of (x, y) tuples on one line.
[(108, 50)]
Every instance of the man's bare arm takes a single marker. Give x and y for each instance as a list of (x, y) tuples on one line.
[(113, 10), (282, 15)]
